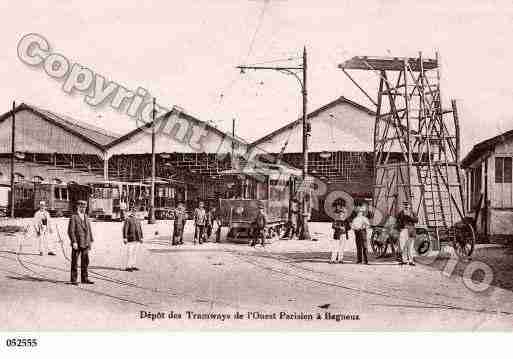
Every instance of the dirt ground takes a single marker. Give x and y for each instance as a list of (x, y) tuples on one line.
[(285, 285)]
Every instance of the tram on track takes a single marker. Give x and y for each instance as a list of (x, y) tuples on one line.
[(59, 198), (273, 186), (110, 199)]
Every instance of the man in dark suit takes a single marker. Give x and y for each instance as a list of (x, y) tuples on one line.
[(80, 234), (259, 225)]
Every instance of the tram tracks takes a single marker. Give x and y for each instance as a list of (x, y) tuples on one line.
[(166, 292), (417, 303), (285, 269)]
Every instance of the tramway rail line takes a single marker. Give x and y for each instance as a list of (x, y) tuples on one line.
[(424, 304)]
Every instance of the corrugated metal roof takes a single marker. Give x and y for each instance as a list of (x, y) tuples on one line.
[(95, 135), (311, 115)]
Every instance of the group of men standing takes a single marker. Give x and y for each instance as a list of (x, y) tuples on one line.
[(206, 223), (342, 224), (81, 239), (360, 224), (80, 234)]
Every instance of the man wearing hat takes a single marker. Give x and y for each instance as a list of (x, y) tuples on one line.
[(259, 225), (81, 236), (42, 225), (406, 224)]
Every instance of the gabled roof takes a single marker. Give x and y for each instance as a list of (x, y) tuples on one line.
[(91, 134), (182, 114), (485, 146), (291, 125)]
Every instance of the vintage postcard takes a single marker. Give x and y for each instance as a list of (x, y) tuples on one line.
[(270, 165)]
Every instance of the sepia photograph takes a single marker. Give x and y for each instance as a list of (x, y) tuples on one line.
[(255, 165)]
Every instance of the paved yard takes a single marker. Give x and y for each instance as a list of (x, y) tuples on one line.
[(286, 285)]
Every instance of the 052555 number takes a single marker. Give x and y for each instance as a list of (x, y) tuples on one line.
[(21, 342)]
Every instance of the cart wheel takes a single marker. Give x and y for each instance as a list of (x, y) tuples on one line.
[(422, 243), (377, 247), (464, 240)]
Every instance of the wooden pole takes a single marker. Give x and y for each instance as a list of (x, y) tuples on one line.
[(233, 143), (151, 212), (305, 233), (13, 153), (456, 129)]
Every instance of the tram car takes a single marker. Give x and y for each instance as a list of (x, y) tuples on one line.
[(111, 199), (244, 190), (59, 198), (168, 193), (4, 200)]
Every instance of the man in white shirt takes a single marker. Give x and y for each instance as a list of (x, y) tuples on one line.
[(360, 225), (42, 225)]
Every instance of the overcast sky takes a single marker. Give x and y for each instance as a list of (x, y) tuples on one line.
[(184, 53)]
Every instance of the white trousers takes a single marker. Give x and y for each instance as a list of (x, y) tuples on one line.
[(43, 237), (406, 244), (337, 249), (131, 254)]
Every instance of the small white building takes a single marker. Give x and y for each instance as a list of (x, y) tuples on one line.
[(489, 186)]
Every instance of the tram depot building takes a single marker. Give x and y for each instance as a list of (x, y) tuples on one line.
[(54, 148)]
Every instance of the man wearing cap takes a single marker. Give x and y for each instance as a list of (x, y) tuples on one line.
[(81, 236), (341, 226), (292, 231), (42, 225), (406, 224), (132, 236), (259, 225), (200, 220), (180, 219)]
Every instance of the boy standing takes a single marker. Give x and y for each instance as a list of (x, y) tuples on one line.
[(42, 224), (132, 236)]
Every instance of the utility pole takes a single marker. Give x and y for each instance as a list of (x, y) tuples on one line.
[(13, 154), (151, 212), (233, 142), (305, 233)]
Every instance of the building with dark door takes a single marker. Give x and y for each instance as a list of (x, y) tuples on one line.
[(489, 185)]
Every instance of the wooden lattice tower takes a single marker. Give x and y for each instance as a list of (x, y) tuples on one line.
[(416, 142)]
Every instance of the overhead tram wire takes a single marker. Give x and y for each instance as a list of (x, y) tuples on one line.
[(257, 29)]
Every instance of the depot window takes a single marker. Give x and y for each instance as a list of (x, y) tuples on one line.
[(503, 169)]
